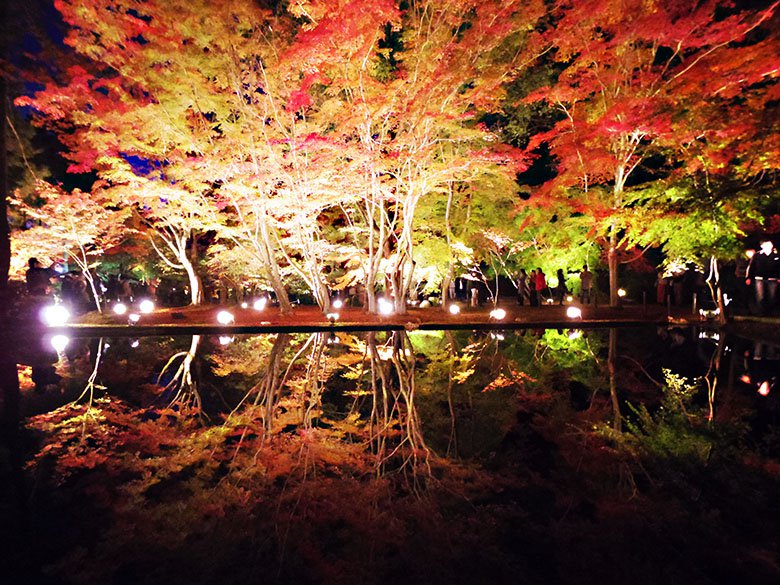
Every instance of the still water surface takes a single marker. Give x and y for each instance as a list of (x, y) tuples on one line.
[(452, 456)]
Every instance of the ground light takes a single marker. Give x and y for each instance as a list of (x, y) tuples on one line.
[(621, 292), (146, 306), (225, 339), (244, 305), (133, 318), (574, 313), (259, 304), (337, 304), (575, 334), (55, 315), (385, 307), (764, 388), (135, 343), (59, 342), (454, 310), (120, 308), (332, 317), (225, 318), (498, 314)]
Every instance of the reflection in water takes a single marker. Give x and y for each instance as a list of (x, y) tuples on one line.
[(181, 387), (454, 457)]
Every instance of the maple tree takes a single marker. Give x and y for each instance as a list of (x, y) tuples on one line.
[(71, 224), (660, 87)]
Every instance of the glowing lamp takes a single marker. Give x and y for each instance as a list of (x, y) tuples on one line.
[(338, 303), (763, 389), (744, 378), (59, 343), (574, 313), (569, 298), (259, 304), (549, 301), (498, 314), (55, 315), (225, 318), (333, 339), (120, 309), (575, 334), (332, 317), (621, 292), (385, 307), (244, 305), (146, 306), (133, 318), (225, 339), (454, 310), (135, 343), (750, 253)]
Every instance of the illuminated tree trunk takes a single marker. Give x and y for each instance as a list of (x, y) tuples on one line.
[(266, 250), (612, 263)]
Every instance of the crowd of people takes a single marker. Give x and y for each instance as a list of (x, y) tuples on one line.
[(534, 290), (73, 289), (755, 288)]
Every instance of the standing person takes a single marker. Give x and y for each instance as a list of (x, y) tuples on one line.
[(474, 297), (540, 283), (763, 272), (532, 289), (125, 290), (523, 292), (561, 290), (112, 289), (586, 284), (38, 277), (660, 288)]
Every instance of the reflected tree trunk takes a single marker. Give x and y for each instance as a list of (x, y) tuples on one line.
[(452, 444), (89, 388), (268, 388), (711, 377), (395, 430), (182, 385), (617, 420)]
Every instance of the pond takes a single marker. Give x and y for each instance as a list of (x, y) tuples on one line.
[(534, 456)]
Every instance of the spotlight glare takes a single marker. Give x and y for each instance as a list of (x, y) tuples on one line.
[(55, 315), (385, 307), (133, 318), (763, 389), (621, 292), (574, 312), (575, 334), (59, 342), (244, 305), (225, 318), (498, 314), (454, 310), (146, 306), (337, 304), (120, 308), (259, 304), (225, 339), (135, 343)]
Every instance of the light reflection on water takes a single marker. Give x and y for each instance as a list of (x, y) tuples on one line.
[(376, 454), (219, 374)]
